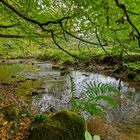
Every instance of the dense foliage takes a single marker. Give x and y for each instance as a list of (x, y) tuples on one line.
[(100, 23)]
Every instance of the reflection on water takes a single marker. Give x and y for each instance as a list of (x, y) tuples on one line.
[(52, 89), (58, 88), (8, 71)]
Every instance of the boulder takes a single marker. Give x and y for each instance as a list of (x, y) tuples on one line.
[(64, 125)]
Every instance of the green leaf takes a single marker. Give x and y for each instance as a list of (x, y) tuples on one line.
[(96, 137), (88, 136), (108, 99)]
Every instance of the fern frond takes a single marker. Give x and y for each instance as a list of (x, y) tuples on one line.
[(73, 87), (91, 108), (95, 98), (92, 89), (73, 90), (110, 100)]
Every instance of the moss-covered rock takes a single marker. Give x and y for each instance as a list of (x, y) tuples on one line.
[(64, 125)]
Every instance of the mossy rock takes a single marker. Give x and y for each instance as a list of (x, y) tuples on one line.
[(10, 112), (64, 125)]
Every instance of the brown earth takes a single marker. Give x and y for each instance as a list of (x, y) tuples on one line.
[(12, 129)]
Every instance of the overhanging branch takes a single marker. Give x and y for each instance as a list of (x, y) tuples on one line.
[(55, 21), (76, 36), (74, 56), (123, 7), (32, 20)]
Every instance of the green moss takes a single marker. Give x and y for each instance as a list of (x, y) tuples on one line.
[(64, 125), (27, 87), (71, 121), (7, 72)]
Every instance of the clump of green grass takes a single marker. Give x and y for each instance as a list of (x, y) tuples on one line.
[(39, 117)]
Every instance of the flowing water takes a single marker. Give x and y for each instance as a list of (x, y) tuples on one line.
[(47, 88)]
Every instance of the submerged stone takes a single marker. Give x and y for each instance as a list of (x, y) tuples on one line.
[(64, 125)]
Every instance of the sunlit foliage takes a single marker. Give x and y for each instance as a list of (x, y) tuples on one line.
[(100, 23)]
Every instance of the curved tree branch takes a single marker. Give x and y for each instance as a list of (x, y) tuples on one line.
[(78, 38), (18, 13), (114, 59), (123, 7), (32, 20), (125, 49), (101, 44), (74, 56), (55, 22), (98, 38)]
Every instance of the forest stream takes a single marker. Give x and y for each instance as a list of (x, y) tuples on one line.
[(46, 86)]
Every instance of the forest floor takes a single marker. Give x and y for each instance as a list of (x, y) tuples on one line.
[(12, 127)]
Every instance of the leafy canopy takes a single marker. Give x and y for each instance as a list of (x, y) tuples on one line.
[(113, 23)]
